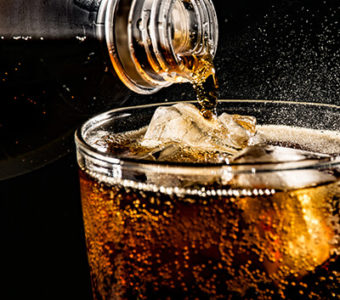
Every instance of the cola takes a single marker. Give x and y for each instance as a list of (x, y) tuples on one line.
[(264, 225), (149, 245)]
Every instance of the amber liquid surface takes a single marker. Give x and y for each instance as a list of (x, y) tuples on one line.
[(267, 245)]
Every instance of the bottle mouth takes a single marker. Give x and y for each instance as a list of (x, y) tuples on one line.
[(148, 41)]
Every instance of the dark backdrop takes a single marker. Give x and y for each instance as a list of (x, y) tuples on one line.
[(267, 50)]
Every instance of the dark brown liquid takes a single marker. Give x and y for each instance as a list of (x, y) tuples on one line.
[(205, 84), (200, 71), (150, 245)]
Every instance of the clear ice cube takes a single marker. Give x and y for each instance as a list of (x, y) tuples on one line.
[(184, 124), (280, 168)]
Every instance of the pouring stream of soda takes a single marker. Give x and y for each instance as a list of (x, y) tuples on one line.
[(206, 88), (204, 81)]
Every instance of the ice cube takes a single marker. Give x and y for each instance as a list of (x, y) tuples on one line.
[(184, 124), (175, 152), (280, 168), (242, 128)]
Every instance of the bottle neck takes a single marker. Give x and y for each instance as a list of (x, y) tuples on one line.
[(153, 43)]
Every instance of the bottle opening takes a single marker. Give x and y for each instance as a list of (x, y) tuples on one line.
[(150, 41)]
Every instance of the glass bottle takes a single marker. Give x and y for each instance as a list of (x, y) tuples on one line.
[(149, 41)]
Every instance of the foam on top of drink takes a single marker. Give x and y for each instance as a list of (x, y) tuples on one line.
[(321, 141)]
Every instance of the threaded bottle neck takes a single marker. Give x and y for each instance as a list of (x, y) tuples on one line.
[(152, 42)]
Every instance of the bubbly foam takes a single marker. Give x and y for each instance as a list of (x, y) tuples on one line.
[(316, 141), (320, 141)]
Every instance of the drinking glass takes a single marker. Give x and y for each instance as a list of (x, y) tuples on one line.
[(254, 228)]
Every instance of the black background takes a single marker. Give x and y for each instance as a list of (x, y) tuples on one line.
[(285, 50)]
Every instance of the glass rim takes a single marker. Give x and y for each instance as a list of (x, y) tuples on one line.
[(288, 165)]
